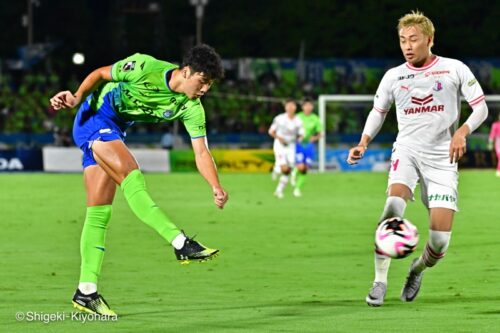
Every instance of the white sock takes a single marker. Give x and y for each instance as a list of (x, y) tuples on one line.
[(282, 183), (277, 169), (435, 249), (394, 207), (178, 241), (87, 288), (382, 264)]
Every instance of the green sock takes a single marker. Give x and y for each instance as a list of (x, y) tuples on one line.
[(301, 178), (92, 242), (134, 189)]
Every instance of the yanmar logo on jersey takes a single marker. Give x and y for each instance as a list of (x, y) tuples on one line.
[(422, 101), (424, 107)]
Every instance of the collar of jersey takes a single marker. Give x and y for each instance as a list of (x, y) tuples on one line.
[(423, 68), (166, 79)]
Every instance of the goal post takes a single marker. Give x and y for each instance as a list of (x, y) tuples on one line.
[(324, 99)]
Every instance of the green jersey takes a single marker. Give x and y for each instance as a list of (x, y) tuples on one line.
[(139, 92), (311, 124)]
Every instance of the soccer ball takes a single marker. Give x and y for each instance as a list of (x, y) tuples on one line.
[(396, 238)]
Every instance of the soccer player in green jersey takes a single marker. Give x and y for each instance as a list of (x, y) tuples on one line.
[(111, 98), (305, 150)]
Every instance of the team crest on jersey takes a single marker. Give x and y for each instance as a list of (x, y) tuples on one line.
[(437, 86), (168, 113), (129, 66)]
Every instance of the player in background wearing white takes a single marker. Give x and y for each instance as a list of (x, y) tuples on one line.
[(494, 140), (426, 90), (286, 130)]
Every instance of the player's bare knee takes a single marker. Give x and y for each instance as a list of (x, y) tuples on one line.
[(400, 190)]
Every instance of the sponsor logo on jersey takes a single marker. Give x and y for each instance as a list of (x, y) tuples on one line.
[(405, 88), (437, 86), (436, 73), (471, 82), (168, 113), (423, 108), (129, 66), (442, 197), (422, 101), (406, 77)]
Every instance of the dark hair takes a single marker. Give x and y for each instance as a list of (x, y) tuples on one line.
[(203, 58), (289, 100), (307, 99)]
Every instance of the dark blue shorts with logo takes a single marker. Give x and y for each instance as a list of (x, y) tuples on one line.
[(100, 125)]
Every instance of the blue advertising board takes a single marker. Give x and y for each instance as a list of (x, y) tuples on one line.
[(15, 160)]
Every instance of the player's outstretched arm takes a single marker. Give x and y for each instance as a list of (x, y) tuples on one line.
[(206, 167), (67, 100)]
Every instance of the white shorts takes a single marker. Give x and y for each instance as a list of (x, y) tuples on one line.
[(284, 155), (437, 176)]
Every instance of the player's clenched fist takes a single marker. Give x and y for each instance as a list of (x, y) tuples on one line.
[(64, 100), (356, 153), (220, 197)]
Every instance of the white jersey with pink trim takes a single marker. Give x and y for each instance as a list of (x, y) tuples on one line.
[(287, 128), (428, 101)]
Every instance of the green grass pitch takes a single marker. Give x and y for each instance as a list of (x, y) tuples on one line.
[(291, 265)]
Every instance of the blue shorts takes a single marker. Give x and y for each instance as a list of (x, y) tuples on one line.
[(101, 125), (304, 153)]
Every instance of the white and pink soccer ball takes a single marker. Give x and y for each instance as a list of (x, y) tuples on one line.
[(396, 238)]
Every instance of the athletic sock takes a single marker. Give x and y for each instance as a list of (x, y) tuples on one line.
[(92, 242), (282, 183), (301, 178), (87, 288), (134, 190), (382, 264), (178, 242), (394, 207), (435, 249)]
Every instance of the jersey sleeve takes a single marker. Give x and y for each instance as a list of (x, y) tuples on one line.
[(469, 87), (194, 120), (384, 96), (130, 69), (274, 125)]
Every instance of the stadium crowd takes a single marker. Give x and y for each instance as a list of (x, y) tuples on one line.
[(233, 106)]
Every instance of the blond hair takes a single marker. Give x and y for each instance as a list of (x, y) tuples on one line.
[(417, 18)]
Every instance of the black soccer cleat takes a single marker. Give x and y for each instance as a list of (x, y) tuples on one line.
[(194, 251), (92, 303)]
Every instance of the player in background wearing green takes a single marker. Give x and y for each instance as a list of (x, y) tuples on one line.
[(305, 150), (111, 98)]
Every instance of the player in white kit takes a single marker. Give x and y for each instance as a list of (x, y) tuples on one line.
[(286, 130), (426, 91)]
